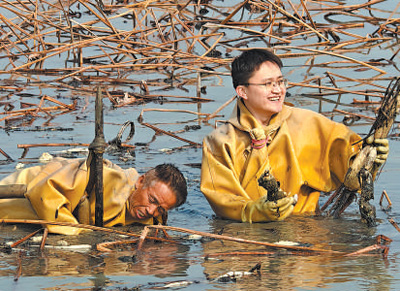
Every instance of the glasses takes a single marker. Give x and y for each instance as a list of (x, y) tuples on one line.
[(269, 85)]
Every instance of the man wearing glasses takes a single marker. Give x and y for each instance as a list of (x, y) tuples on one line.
[(306, 152), (60, 191)]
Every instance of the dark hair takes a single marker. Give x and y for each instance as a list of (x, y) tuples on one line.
[(249, 61), (171, 176)]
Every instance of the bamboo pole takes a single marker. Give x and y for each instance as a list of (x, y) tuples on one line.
[(396, 226), (17, 243), (384, 250), (6, 155), (263, 34), (299, 20), (96, 149), (78, 225), (338, 56), (240, 240), (385, 195), (18, 272), (350, 7), (158, 130), (44, 238), (214, 114)]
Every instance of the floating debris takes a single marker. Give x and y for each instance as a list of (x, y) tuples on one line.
[(19, 166), (82, 248), (45, 157), (288, 243), (194, 237), (176, 284), (232, 276)]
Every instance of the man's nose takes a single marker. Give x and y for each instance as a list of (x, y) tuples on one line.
[(276, 87), (152, 210)]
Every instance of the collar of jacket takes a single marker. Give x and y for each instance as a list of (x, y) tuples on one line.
[(243, 120)]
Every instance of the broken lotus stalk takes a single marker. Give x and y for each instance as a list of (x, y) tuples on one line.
[(363, 170)]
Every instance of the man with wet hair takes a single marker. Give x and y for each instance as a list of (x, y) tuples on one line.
[(304, 151), (61, 191), (163, 185), (170, 176)]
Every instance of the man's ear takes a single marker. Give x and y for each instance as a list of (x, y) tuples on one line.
[(241, 91), (139, 181)]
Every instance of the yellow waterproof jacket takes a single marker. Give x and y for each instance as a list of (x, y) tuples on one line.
[(306, 152), (55, 189)]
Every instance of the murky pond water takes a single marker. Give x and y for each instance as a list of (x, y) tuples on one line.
[(192, 259)]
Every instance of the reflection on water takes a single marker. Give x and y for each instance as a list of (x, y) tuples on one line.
[(156, 259), (159, 263), (283, 270)]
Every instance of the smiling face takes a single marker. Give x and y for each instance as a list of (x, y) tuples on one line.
[(151, 200), (260, 101)]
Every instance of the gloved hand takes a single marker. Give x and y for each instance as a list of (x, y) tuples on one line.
[(272, 211), (382, 149)]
